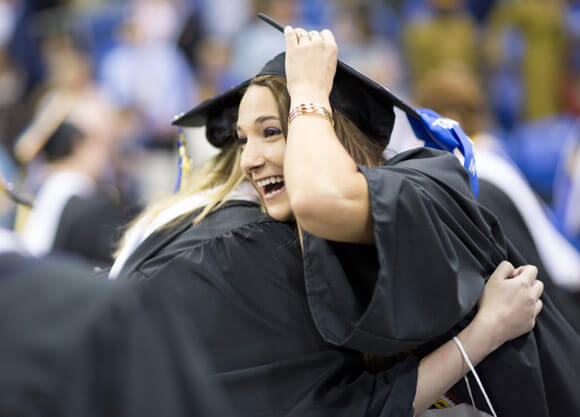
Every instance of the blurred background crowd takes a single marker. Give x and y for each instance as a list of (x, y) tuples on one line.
[(91, 86)]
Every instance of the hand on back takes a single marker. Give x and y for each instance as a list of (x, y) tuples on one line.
[(510, 302)]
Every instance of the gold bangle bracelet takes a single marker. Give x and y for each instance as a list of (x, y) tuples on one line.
[(313, 109)]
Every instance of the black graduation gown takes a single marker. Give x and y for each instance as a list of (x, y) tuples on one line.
[(517, 231), (435, 246), (71, 345), (238, 277)]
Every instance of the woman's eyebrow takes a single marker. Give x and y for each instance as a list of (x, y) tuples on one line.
[(263, 119), (260, 120)]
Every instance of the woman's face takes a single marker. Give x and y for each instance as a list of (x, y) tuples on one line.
[(263, 145)]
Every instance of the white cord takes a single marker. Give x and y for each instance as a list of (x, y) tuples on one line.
[(469, 390), (466, 358)]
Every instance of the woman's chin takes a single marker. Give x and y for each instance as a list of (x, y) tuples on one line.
[(280, 212)]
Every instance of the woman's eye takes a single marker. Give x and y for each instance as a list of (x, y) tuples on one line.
[(271, 131), (242, 141)]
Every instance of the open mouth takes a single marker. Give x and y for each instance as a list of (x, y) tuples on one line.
[(271, 186)]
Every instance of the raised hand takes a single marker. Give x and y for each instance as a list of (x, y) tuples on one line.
[(310, 64)]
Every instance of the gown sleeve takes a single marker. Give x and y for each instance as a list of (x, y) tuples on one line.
[(434, 248)]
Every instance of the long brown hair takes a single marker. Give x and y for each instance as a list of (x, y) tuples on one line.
[(360, 146)]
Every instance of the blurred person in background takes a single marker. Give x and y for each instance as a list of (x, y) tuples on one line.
[(539, 24), (449, 34), (374, 55), (454, 92), (147, 73), (150, 80), (214, 74), (69, 151), (73, 211), (225, 18), (254, 44)]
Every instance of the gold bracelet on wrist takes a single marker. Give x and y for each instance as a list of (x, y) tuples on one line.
[(313, 109)]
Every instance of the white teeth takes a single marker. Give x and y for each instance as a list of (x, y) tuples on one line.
[(269, 180)]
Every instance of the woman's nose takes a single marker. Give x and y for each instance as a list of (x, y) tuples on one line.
[(252, 157)]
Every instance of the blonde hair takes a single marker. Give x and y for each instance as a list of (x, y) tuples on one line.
[(222, 173)]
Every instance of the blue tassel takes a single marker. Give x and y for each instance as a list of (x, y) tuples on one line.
[(445, 134)]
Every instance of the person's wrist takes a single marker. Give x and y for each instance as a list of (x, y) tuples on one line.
[(310, 94), (484, 331)]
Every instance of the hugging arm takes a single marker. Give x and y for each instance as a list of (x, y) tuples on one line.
[(507, 309)]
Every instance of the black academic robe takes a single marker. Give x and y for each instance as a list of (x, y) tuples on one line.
[(434, 248), (238, 277), (516, 230), (72, 345)]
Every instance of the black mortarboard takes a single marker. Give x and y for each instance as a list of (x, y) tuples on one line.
[(366, 103)]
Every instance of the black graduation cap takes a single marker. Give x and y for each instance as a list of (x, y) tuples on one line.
[(366, 103)]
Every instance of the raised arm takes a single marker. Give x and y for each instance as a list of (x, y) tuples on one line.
[(507, 309), (328, 195)]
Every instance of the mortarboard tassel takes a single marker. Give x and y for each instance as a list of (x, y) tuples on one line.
[(183, 164), (441, 133)]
